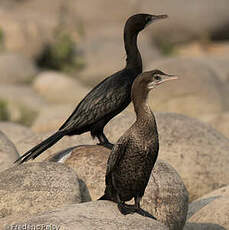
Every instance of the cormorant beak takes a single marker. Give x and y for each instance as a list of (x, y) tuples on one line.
[(167, 77), (156, 17)]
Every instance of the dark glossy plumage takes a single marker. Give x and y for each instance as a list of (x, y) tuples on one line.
[(107, 99), (132, 159)]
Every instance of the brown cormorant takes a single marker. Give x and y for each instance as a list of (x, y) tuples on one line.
[(133, 157), (107, 99)]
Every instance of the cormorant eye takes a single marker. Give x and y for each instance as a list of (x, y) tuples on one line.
[(157, 77)]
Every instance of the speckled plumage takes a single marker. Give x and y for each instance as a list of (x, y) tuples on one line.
[(133, 157), (132, 160)]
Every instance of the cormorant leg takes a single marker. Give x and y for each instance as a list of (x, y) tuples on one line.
[(124, 208), (139, 210), (104, 141)]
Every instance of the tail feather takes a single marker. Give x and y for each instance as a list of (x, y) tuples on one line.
[(38, 149)]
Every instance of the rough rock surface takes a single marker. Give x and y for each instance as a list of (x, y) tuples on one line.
[(210, 212), (89, 162), (8, 152), (37, 187), (93, 215), (15, 68), (59, 88), (165, 197), (198, 152), (187, 95)]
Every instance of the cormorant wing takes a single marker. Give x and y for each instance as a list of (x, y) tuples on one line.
[(103, 100), (116, 155)]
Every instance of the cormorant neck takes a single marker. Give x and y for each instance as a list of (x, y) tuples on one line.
[(143, 112), (133, 59)]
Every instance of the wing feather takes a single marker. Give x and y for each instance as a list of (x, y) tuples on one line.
[(103, 100)]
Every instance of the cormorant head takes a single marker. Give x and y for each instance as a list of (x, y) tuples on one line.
[(153, 78), (144, 83), (149, 80), (138, 22)]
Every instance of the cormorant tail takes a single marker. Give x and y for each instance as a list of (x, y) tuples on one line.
[(38, 149)]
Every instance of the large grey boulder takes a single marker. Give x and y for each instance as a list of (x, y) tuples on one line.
[(91, 215), (8, 152), (210, 211), (197, 151), (196, 93), (59, 88), (15, 68), (37, 187), (165, 197)]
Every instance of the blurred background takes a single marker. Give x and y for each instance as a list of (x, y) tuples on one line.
[(53, 52)]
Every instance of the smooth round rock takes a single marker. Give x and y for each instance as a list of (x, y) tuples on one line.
[(165, 197), (210, 212), (92, 215), (198, 152), (8, 152), (37, 187)]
